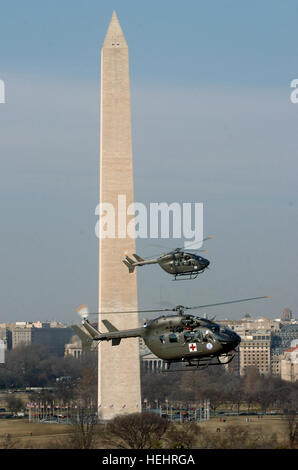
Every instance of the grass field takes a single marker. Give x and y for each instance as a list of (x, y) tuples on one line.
[(43, 434), (23, 434), (268, 424)]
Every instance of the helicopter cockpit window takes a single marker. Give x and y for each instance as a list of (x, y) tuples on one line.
[(224, 330), (198, 335), (173, 338), (214, 328), (189, 336), (162, 339)]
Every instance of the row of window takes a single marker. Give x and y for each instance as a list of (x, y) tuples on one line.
[(261, 337)]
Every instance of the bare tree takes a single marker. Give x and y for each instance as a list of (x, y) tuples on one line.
[(136, 431), (290, 417), (84, 428), (84, 422), (14, 404), (183, 436)]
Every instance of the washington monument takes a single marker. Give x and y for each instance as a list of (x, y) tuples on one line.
[(118, 365)]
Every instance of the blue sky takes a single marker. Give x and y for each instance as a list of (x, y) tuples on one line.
[(212, 122), (223, 41)]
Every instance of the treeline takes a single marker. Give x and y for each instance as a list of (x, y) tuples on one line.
[(222, 389), (35, 366)]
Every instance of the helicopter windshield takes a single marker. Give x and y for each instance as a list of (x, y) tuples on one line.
[(214, 328), (209, 324)]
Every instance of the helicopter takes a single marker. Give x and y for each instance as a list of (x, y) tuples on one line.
[(181, 264), (176, 338)]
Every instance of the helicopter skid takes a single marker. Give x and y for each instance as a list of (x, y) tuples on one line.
[(187, 276), (203, 363)]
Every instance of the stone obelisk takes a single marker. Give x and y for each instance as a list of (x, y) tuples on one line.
[(118, 366)]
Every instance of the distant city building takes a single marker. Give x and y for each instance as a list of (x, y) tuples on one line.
[(54, 339), (289, 363), (249, 324), (74, 348), (283, 337), (5, 335), (265, 354), (286, 314), (21, 335), (26, 333), (275, 362), (255, 350)]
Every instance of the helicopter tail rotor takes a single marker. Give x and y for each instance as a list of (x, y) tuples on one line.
[(83, 311), (129, 263), (86, 332)]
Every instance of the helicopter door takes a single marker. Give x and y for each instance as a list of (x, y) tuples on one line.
[(187, 260)]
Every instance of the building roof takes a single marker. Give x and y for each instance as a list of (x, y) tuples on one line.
[(292, 349)]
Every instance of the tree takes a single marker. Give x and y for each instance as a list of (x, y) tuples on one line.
[(290, 416), (136, 431), (14, 404), (250, 384), (182, 436), (216, 397), (83, 433)]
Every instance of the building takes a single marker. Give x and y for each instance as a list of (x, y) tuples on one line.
[(255, 350), (283, 337), (286, 315), (289, 363), (250, 324), (275, 362), (74, 348), (5, 335), (21, 335), (54, 339), (26, 333)]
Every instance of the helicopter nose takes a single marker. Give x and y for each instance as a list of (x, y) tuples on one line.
[(231, 340), (236, 339), (206, 263)]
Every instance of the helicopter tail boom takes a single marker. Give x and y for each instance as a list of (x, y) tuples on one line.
[(92, 334), (131, 264)]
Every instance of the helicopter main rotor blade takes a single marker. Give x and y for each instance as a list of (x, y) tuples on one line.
[(134, 311), (188, 245), (203, 240), (229, 302), (197, 251), (185, 308)]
